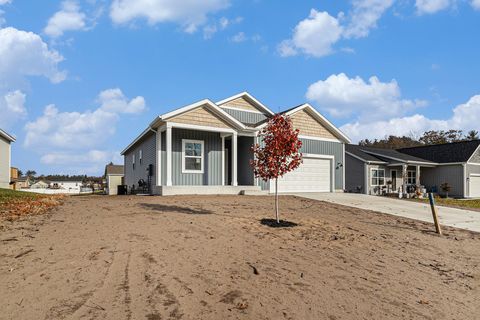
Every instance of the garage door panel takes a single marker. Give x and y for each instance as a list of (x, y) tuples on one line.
[(313, 175), (475, 186)]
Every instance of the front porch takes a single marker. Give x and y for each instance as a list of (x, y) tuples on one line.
[(400, 179)]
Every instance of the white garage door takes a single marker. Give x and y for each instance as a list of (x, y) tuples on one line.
[(475, 186), (313, 175)]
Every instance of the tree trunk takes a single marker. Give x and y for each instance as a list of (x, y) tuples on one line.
[(276, 200)]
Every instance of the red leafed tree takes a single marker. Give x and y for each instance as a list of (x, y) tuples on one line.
[(279, 153)]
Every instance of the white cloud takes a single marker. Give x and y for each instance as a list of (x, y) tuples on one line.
[(69, 18), (25, 54), (364, 17), (12, 107), (239, 37), (313, 36), (465, 117), (222, 24), (2, 2), (342, 96), (476, 4), (113, 100), (79, 139), (189, 14), (432, 6)]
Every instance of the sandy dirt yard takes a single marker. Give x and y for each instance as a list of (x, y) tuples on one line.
[(209, 257)]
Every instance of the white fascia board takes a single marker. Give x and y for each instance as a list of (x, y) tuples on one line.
[(216, 109), (7, 136), (197, 127), (476, 150), (249, 96)]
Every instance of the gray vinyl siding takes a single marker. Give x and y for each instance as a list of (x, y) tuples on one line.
[(328, 148), (4, 163), (213, 158), (354, 174), (245, 116), (434, 177), (244, 170), (148, 147), (471, 170)]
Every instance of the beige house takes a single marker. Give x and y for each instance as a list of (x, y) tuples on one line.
[(113, 177), (205, 148), (5, 158)]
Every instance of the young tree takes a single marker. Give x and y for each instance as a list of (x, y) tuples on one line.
[(279, 154), (472, 135)]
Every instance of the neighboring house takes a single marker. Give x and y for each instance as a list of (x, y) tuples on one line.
[(41, 184), (113, 178), (205, 148), (368, 170), (66, 184), (13, 177), (5, 158), (22, 183)]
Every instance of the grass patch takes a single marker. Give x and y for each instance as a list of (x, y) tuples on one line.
[(455, 203), (14, 204)]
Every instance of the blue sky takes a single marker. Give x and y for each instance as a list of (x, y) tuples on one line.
[(80, 79)]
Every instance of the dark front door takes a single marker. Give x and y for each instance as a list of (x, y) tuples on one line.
[(394, 180)]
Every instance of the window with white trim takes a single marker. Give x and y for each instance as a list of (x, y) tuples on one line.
[(133, 161), (411, 177), (378, 177), (140, 156), (192, 156)]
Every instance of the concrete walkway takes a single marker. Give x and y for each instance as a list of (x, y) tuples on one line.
[(459, 218)]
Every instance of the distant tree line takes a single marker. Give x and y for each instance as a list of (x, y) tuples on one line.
[(428, 138)]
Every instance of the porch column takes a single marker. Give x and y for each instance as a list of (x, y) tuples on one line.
[(169, 155), (404, 178), (234, 160), (223, 159), (159, 157), (417, 174)]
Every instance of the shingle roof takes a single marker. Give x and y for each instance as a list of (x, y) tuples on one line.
[(383, 155), (114, 169), (444, 153), (357, 150)]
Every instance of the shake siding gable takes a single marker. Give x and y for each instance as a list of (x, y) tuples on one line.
[(308, 126), (200, 116), (241, 103)]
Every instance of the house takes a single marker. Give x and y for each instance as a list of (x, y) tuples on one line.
[(40, 184), (13, 177), (204, 148), (22, 183), (376, 171), (72, 184), (5, 158), (113, 178)]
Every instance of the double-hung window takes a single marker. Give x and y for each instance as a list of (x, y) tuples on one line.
[(140, 156), (192, 156), (133, 161), (411, 177), (378, 177)]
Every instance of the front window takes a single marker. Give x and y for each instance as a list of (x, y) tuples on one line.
[(378, 177), (140, 156), (133, 161), (411, 177), (192, 156)]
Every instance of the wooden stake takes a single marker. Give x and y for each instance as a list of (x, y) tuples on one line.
[(434, 213)]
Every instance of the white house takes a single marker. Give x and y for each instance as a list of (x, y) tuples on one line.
[(5, 158)]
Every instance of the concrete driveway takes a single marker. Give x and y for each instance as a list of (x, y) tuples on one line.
[(459, 218)]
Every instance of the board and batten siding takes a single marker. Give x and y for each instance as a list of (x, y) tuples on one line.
[(249, 118), (213, 158), (321, 147), (434, 177), (148, 147), (4, 163), (354, 175)]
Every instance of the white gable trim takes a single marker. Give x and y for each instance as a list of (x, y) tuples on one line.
[(249, 96), (7, 136), (476, 150), (212, 106)]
